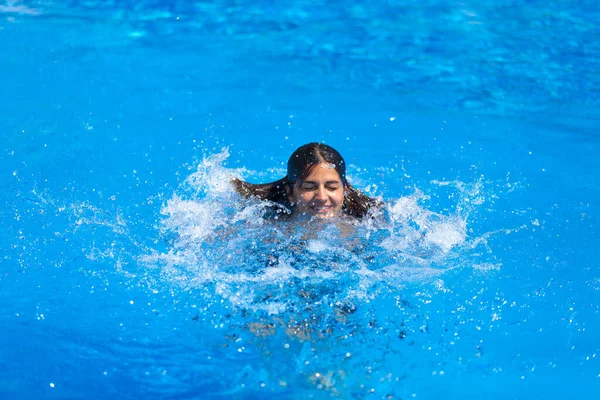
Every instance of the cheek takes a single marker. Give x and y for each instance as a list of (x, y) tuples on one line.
[(298, 197), (305, 197)]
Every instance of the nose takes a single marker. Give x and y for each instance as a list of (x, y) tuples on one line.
[(321, 193)]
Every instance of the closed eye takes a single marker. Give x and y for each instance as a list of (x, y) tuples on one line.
[(310, 186)]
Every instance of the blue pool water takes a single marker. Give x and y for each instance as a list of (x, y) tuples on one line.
[(130, 269)]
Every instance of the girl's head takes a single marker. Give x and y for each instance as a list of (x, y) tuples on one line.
[(316, 181)]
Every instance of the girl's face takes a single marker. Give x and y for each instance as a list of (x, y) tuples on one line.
[(321, 194)]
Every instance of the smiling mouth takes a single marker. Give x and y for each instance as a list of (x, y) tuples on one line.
[(322, 209)]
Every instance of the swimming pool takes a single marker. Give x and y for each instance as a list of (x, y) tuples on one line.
[(130, 270)]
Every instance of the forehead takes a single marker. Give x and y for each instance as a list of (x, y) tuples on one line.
[(324, 172)]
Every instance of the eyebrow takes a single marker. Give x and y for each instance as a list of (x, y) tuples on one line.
[(327, 183)]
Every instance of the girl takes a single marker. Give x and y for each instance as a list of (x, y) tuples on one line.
[(315, 186)]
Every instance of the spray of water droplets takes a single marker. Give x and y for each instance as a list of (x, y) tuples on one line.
[(225, 245)]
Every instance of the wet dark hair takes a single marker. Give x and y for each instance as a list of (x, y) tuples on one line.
[(300, 165)]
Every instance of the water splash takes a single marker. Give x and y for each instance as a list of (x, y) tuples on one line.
[(224, 242)]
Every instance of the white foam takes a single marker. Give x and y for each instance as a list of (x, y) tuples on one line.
[(226, 242), (447, 234)]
